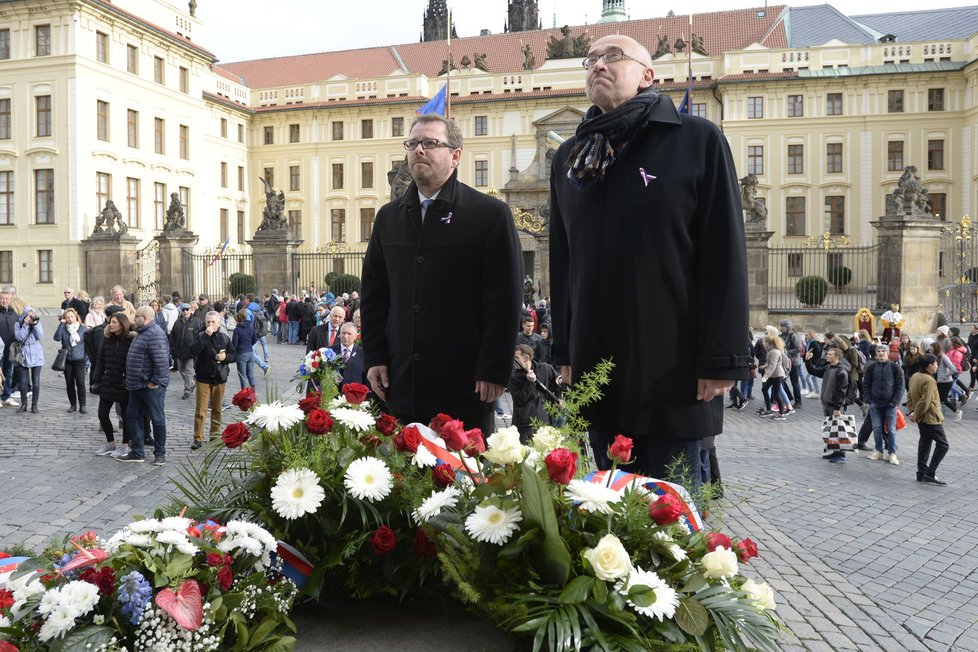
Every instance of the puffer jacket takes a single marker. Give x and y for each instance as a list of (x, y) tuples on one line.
[(76, 353), (149, 358), (110, 367), (30, 335), (959, 357), (883, 383), (244, 337)]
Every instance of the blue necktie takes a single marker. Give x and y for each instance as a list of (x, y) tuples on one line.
[(424, 207)]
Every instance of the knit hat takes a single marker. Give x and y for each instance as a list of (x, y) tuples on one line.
[(111, 310), (943, 329)]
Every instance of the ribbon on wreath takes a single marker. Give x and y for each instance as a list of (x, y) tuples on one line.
[(295, 566), (436, 446), (623, 480), (10, 564)]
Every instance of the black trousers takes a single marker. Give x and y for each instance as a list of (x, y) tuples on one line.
[(105, 418), (29, 378), (930, 434), (676, 460), (75, 381)]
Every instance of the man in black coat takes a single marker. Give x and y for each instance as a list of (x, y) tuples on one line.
[(8, 318), (441, 241), (646, 214), (181, 336), (71, 301), (213, 354), (293, 310)]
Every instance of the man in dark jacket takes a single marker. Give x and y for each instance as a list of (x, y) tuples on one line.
[(529, 399), (213, 354), (71, 301), (528, 337), (271, 307), (183, 333), (834, 372), (440, 239), (351, 354), (8, 318), (646, 214), (883, 390), (147, 375), (293, 310), (793, 349)]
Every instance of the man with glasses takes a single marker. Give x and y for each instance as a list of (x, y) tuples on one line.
[(645, 212), (182, 335), (441, 240), (71, 301)]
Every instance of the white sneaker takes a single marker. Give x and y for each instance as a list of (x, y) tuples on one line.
[(893, 459), (120, 451), (12, 402), (958, 415), (107, 449), (876, 455)]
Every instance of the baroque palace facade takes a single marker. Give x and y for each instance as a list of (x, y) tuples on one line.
[(102, 100)]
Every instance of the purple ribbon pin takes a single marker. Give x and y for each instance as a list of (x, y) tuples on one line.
[(448, 218), (645, 176)]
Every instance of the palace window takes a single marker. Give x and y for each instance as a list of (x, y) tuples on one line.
[(833, 158), (42, 40), (935, 99), (43, 114), (295, 224), (159, 76), (366, 223), (938, 205), (269, 135), (132, 202), (935, 154), (241, 178), (796, 106), (269, 176), (796, 159), (224, 174), (699, 109), (184, 142), (5, 119), (397, 126), (835, 214), (794, 212), (481, 125), (159, 205), (184, 80), (338, 225), (337, 176), (833, 104), (224, 225), (44, 196), (45, 266), (6, 198), (755, 108), (366, 128), (366, 174), (241, 227), (4, 43), (102, 120), (294, 177), (184, 194), (755, 159), (482, 173), (894, 101), (132, 127), (894, 156), (6, 267), (102, 47), (159, 135), (132, 59), (103, 190), (293, 133), (240, 133), (224, 127), (337, 131)]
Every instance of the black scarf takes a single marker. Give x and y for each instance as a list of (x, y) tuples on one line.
[(601, 138)]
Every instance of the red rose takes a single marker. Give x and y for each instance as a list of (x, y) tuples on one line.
[(355, 393), (666, 510), (621, 449), (476, 445), (408, 440), (439, 421), (6, 598), (386, 424), (561, 465), (453, 432), (225, 578), (383, 540), (235, 435), (215, 559), (443, 475), (311, 402), (106, 581), (423, 546), (8, 647), (746, 550), (319, 422), (245, 399), (715, 539)]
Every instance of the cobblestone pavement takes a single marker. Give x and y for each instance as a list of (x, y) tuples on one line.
[(861, 555)]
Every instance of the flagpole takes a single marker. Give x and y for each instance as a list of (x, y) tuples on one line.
[(689, 67), (448, 76)]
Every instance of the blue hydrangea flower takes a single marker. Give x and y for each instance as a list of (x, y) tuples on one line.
[(134, 594), (329, 354)]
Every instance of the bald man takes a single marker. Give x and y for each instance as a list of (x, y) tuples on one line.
[(147, 375), (326, 334), (645, 207)]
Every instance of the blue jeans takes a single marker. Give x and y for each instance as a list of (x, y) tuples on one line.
[(263, 360), (246, 369), (143, 402), (878, 413), (747, 388), (293, 332), (8, 374)]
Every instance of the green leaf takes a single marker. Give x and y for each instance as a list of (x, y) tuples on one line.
[(577, 590), (641, 596), (600, 592), (538, 509), (284, 644), (694, 584), (27, 567), (692, 616), (180, 566), (83, 639), (262, 632)]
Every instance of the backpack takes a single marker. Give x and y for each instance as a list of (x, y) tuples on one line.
[(261, 323), (856, 360)]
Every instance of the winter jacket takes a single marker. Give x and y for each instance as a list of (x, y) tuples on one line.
[(30, 335), (546, 351), (204, 348), (924, 400), (882, 383), (148, 360), (532, 340), (244, 338), (959, 357), (774, 366), (835, 385), (850, 355), (110, 366), (172, 314), (182, 334), (76, 353), (528, 401), (293, 310), (945, 370), (8, 320), (972, 344), (792, 342)]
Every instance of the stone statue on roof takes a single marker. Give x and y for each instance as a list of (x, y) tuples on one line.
[(193, 7), (175, 219), (568, 47), (447, 64), (698, 45), (465, 62), (679, 45), (661, 47), (480, 62), (529, 61)]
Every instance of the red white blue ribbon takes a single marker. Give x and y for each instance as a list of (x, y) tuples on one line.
[(623, 480)]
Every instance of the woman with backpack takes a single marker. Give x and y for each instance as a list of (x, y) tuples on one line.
[(243, 341)]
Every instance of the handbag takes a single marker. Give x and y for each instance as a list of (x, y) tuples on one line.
[(17, 352), (839, 433), (59, 360), (901, 421)]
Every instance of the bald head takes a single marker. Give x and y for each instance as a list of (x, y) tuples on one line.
[(609, 85)]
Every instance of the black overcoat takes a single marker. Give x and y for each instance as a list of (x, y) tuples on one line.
[(661, 238), (439, 300)]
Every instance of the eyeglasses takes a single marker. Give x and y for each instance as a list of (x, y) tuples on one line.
[(610, 56), (426, 143)]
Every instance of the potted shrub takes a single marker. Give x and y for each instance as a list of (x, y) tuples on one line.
[(840, 276), (811, 291)]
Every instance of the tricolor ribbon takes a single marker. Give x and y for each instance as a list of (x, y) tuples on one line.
[(622, 480), (10, 564), (295, 566)]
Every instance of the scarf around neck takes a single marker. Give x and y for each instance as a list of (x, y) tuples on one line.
[(601, 138), (73, 336)]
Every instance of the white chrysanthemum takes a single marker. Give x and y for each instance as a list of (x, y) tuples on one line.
[(437, 501), (424, 457), (275, 416), (49, 602), (368, 478), (492, 524), (145, 525), (297, 492), (338, 402), (138, 540), (172, 537), (546, 439), (666, 599), (59, 621), (80, 597), (177, 523), (674, 549), (592, 497), (354, 419)]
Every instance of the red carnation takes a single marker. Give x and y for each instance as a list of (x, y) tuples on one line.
[(106, 581), (423, 546), (621, 449), (245, 399), (561, 465), (386, 424), (319, 422), (439, 421), (476, 445), (443, 475), (355, 393), (311, 402), (6, 598), (235, 435), (225, 578), (215, 559), (408, 440), (453, 432), (715, 539), (666, 510), (383, 540), (746, 550)]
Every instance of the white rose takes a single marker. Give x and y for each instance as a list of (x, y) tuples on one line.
[(609, 559), (546, 439), (504, 447), (720, 563), (762, 594)]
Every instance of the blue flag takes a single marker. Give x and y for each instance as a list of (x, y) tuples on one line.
[(435, 104), (684, 105)]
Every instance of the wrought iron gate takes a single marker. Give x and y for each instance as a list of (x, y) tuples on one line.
[(148, 272), (958, 271)]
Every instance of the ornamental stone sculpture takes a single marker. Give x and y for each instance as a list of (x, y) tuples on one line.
[(568, 46), (175, 219), (110, 221), (909, 198), (273, 219), (755, 208)]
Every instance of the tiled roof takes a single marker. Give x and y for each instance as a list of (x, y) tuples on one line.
[(757, 76), (722, 31), (226, 74), (173, 36), (925, 25), (819, 24), (887, 69)]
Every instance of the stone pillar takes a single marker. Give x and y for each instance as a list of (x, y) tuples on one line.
[(110, 259), (273, 262), (757, 236), (173, 244), (907, 269)]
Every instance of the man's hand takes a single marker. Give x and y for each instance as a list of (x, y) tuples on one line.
[(220, 356), (707, 390), (379, 382), (152, 385), (808, 356), (488, 392), (912, 417), (212, 328), (837, 413), (565, 374)]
